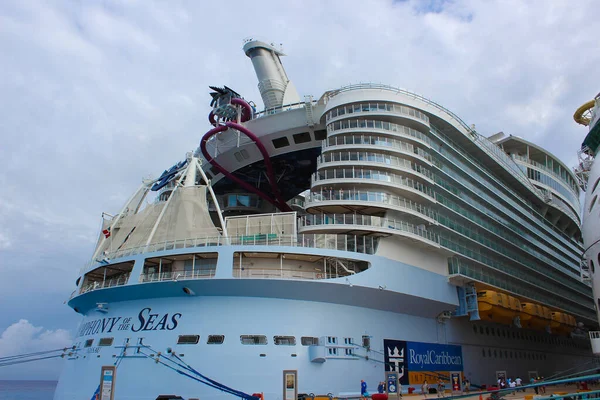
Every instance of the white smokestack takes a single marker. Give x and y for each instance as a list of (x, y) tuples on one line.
[(274, 86)]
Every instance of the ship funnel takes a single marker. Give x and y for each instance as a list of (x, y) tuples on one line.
[(274, 86)]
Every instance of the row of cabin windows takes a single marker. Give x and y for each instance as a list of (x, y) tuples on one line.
[(278, 340), (250, 340), (509, 354), (525, 336), (299, 138), (253, 340), (108, 341)]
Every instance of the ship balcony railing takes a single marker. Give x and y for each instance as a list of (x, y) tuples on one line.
[(368, 140), (177, 275), (107, 283), (383, 199), (361, 125), (521, 211), (379, 86), (297, 202), (515, 285), (513, 268), (285, 107), (372, 158), (354, 243), (506, 161), (331, 175), (377, 107), (567, 182), (253, 273), (368, 221), (595, 342)]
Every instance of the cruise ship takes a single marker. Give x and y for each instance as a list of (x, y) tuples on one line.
[(588, 173), (365, 234)]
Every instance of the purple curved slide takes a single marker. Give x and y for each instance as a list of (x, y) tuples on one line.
[(277, 201)]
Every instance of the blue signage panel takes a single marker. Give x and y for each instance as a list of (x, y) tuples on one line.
[(433, 357)]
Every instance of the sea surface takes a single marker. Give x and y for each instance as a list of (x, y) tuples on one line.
[(27, 390)]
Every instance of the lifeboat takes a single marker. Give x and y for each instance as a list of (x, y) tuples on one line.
[(535, 316), (497, 307), (562, 323)]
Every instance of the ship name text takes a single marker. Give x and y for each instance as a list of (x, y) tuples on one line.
[(146, 321)]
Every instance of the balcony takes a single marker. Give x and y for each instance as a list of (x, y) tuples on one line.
[(176, 276), (354, 222), (595, 342)]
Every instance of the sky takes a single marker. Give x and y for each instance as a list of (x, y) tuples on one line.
[(96, 95)]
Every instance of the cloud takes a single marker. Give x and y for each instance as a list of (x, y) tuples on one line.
[(23, 338)]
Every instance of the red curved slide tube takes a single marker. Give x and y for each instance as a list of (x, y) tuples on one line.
[(278, 201)]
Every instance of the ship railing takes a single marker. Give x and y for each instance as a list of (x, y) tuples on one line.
[(251, 273), (112, 282), (337, 173), (368, 196), (354, 243), (408, 93), (374, 140), (373, 159), (572, 187), (377, 107), (176, 275), (278, 109), (369, 221), (358, 125)]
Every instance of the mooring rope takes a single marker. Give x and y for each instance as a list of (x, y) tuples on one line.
[(199, 377)]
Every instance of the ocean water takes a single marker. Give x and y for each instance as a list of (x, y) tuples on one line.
[(27, 390)]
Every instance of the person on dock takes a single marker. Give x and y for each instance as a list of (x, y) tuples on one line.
[(543, 387), (513, 385), (363, 389), (467, 384), (425, 388), (519, 383), (381, 387), (532, 381), (441, 388)]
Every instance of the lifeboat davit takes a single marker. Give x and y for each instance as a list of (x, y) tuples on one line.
[(497, 307), (535, 316), (562, 323)]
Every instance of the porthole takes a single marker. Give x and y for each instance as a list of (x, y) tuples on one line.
[(284, 340), (592, 265), (303, 137), (253, 339), (188, 339), (475, 328), (592, 203), (107, 341), (280, 142), (89, 342), (215, 339), (309, 341)]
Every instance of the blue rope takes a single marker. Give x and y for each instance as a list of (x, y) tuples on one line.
[(21, 361), (581, 394), (556, 382), (222, 388), (241, 394)]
